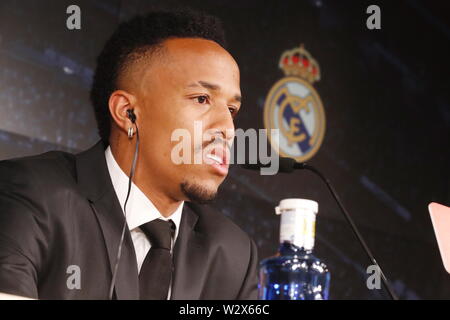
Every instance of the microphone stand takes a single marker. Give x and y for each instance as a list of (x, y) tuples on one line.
[(347, 216), (288, 165)]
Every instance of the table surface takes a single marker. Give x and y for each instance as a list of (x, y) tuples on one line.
[(6, 296)]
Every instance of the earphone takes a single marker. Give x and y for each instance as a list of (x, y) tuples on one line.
[(132, 117)]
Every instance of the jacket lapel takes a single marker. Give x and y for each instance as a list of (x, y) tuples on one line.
[(95, 183), (190, 257)]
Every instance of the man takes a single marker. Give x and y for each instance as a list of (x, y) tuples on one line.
[(62, 215)]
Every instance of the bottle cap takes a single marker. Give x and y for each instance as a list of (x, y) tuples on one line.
[(297, 203)]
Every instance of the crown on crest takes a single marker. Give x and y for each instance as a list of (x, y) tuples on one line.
[(298, 62)]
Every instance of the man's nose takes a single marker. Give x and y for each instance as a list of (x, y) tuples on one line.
[(223, 122)]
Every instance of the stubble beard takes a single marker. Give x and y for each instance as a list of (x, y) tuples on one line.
[(197, 193)]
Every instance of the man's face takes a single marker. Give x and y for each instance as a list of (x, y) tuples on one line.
[(190, 80)]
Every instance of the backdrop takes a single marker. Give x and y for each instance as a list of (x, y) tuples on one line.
[(385, 95)]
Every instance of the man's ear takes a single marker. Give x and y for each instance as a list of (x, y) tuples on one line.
[(119, 102)]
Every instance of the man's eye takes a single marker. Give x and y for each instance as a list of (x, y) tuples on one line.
[(233, 111), (202, 99)]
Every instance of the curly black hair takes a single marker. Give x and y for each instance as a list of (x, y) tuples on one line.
[(139, 36)]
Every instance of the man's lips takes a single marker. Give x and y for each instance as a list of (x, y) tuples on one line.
[(219, 154), (218, 158)]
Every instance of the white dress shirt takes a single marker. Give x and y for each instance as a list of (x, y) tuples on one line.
[(140, 209)]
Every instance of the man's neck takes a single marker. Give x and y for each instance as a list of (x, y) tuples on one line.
[(164, 203)]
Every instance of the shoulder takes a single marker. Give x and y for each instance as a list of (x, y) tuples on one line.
[(44, 172), (44, 161)]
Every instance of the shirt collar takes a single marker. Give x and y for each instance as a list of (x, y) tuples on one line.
[(140, 209)]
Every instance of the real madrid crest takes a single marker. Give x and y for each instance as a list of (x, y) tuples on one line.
[(294, 107)]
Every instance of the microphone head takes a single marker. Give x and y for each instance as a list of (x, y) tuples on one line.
[(286, 165), (252, 166)]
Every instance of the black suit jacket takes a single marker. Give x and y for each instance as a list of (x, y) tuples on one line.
[(59, 210)]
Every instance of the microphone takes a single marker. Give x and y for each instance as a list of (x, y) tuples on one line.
[(285, 165), (288, 165)]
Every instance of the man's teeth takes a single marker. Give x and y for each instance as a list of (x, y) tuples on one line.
[(215, 158)]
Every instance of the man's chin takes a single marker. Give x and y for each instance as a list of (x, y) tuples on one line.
[(198, 193)]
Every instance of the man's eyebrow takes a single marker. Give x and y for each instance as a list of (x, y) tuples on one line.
[(212, 87), (205, 84)]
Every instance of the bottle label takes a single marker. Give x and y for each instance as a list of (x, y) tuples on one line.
[(298, 227)]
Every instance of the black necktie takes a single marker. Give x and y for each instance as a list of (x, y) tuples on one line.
[(156, 270)]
